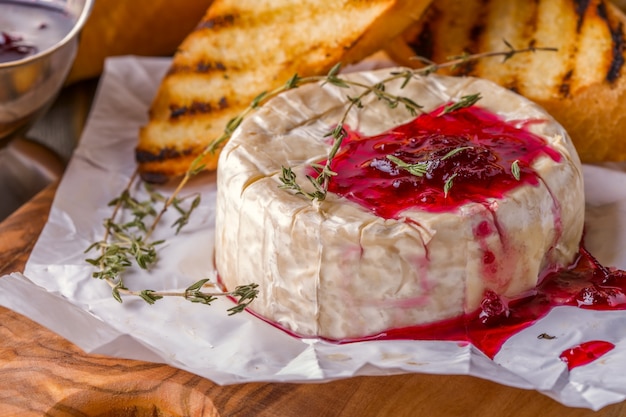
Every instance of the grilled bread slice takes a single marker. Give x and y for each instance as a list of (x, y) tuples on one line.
[(583, 84), (244, 47)]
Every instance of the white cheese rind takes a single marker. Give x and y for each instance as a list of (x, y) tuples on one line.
[(333, 269)]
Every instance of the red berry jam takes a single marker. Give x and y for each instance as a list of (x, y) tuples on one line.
[(468, 155)]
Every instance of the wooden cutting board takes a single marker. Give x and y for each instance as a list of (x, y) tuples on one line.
[(43, 374)]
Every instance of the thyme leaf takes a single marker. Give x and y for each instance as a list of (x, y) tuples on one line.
[(245, 294), (419, 169), (455, 151), (465, 101), (150, 296), (288, 179), (256, 102), (293, 82), (185, 214), (515, 170), (447, 186)]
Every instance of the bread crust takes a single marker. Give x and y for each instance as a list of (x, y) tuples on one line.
[(244, 47)]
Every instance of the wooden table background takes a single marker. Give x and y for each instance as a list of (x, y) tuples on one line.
[(42, 374)]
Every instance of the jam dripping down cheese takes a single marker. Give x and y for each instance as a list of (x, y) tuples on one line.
[(586, 284), (482, 168)]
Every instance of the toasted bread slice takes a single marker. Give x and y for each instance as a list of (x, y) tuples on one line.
[(583, 84), (244, 47)]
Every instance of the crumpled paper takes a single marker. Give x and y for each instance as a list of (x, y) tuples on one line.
[(57, 291)]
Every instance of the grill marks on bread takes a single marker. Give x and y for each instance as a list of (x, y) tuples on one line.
[(583, 83), (244, 47), (590, 44), (617, 34)]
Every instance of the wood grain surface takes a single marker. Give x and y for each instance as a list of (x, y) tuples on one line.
[(42, 374)]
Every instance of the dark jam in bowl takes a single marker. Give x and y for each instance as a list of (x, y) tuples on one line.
[(471, 149), (27, 29), (12, 47)]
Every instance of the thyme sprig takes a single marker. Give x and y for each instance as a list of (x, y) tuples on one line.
[(130, 243), (324, 173), (244, 294), (465, 101)]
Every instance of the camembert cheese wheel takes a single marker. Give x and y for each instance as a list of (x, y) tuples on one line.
[(427, 214)]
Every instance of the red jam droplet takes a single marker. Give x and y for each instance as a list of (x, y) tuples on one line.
[(467, 156), (585, 353)]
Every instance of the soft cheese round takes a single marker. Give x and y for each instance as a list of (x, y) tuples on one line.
[(335, 269)]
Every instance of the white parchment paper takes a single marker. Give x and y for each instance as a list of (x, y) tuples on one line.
[(57, 291)]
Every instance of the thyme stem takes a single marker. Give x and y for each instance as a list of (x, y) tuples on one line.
[(122, 243), (325, 173)]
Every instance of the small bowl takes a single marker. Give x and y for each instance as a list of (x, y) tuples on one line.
[(29, 85)]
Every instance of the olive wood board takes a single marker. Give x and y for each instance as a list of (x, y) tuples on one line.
[(42, 374)]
